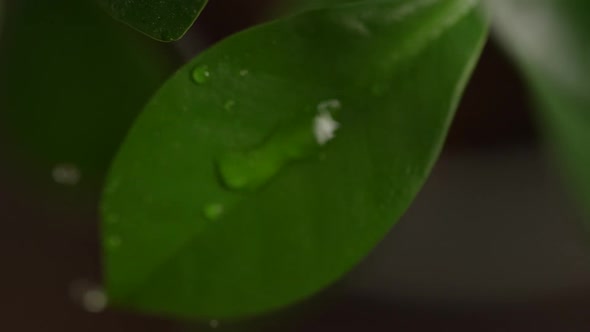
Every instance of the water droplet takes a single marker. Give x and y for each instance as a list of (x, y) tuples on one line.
[(229, 105), (66, 174), (244, 72), (201, 74), (94, 300), (88, 295), (214, 324), (213, 211), (113, 242), (300, 138)]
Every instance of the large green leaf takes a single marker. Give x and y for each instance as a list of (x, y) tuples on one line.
[(221, 202), (72, 83), (165, 20), (549, 39)]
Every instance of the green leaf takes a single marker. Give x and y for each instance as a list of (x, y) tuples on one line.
[(72, 83), (221, 203), (164, 20), (549, 39)]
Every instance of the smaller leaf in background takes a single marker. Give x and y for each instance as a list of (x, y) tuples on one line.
[(164, 20), (549, 39), (274, 161)]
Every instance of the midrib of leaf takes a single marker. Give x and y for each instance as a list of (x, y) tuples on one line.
[(443, 23)]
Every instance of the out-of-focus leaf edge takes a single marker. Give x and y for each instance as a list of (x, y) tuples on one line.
[(137, 28)]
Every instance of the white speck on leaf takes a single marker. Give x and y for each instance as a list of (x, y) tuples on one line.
[(329, 105), (324, 127)]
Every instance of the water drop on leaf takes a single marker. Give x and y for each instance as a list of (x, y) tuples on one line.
[(249, 170), (213, 211), (229, 105), (113, 242), (201, 74)]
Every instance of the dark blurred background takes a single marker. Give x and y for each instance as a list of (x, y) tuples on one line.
[(494, 242)]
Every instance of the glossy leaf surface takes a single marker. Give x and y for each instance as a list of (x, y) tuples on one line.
[(223, 200)]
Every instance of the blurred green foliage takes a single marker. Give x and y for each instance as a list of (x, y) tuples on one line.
[(72, 81)]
